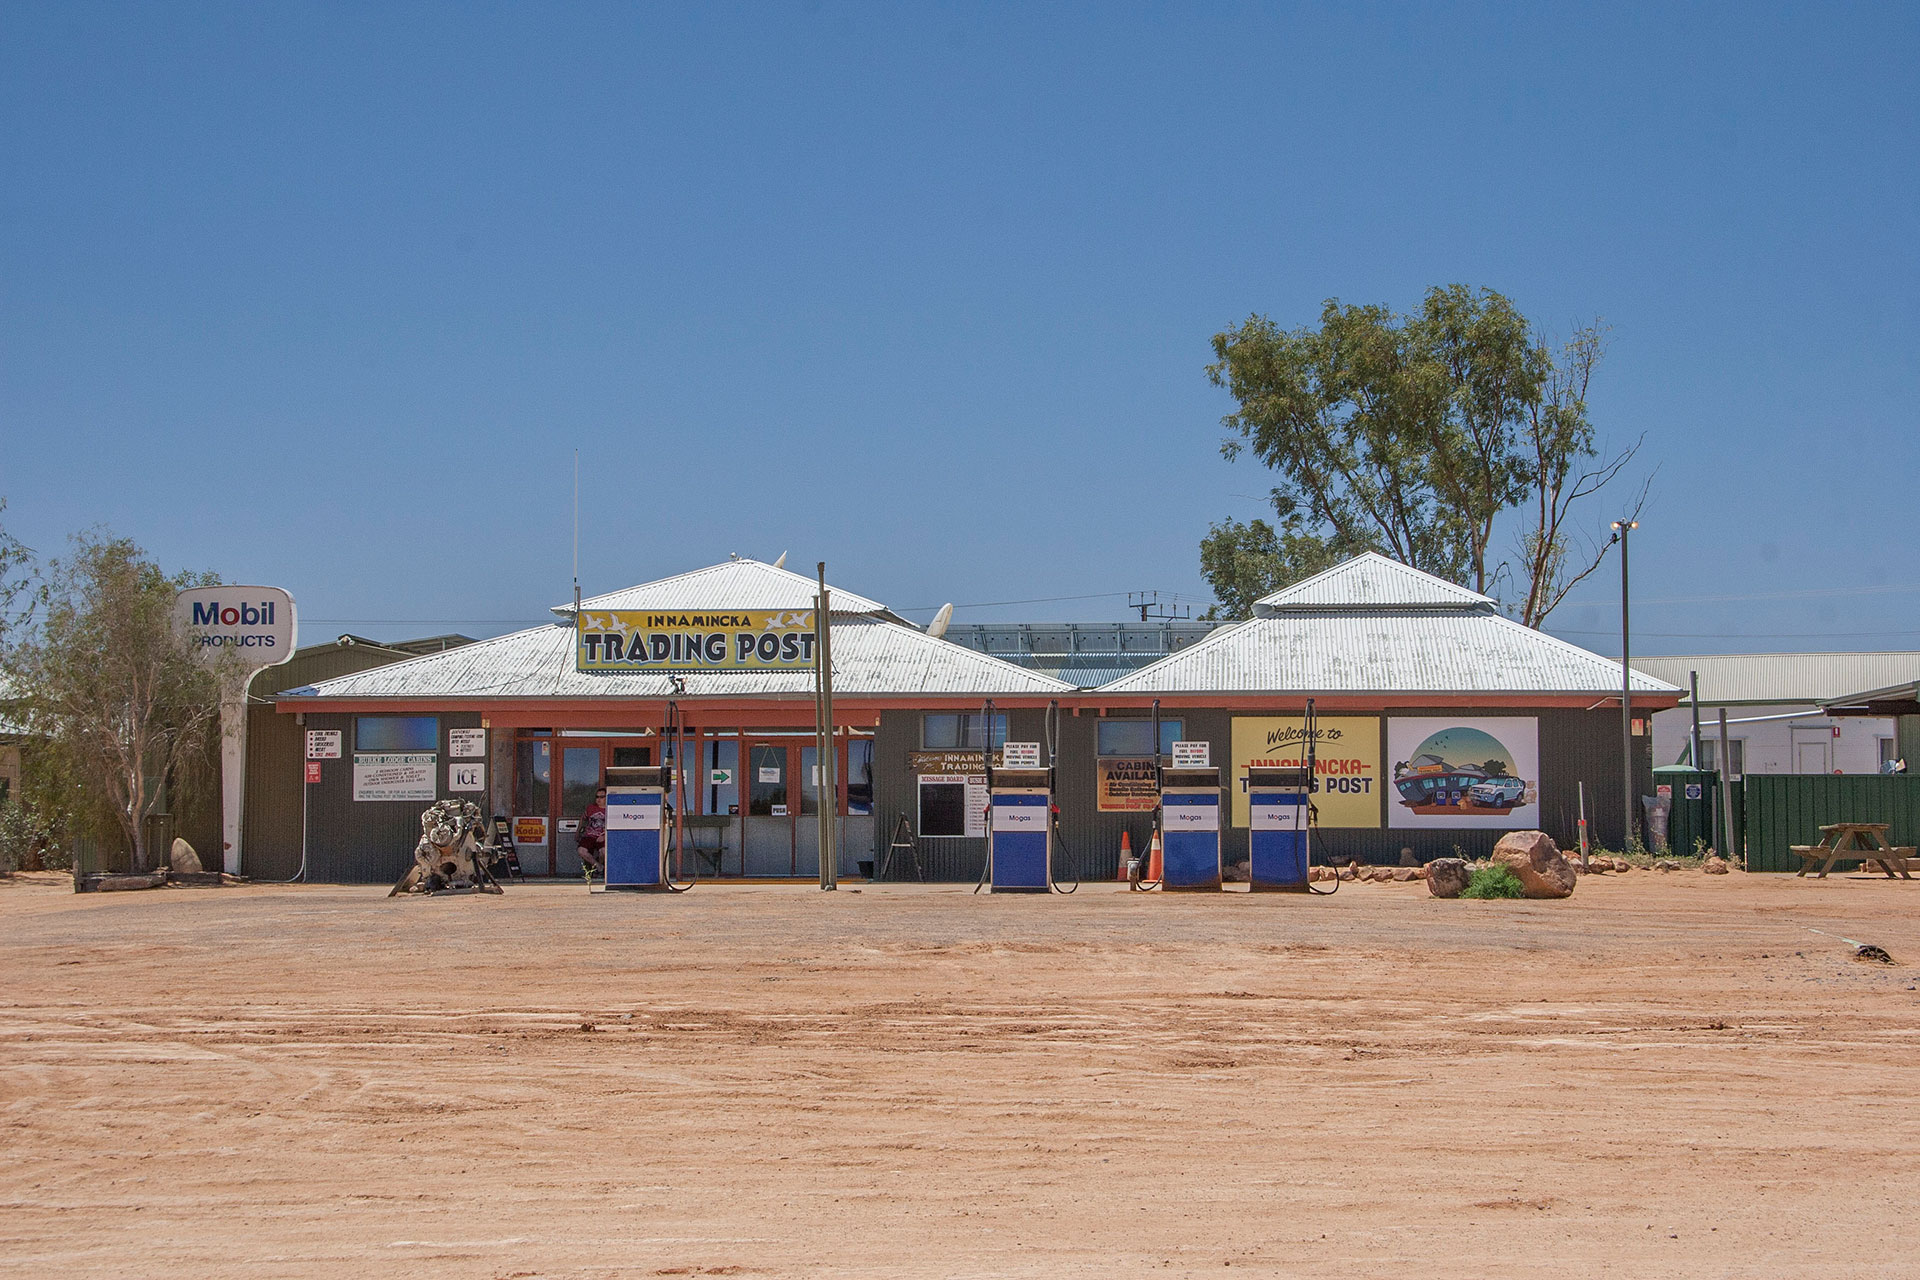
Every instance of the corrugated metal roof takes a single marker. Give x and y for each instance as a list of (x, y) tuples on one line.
[(870, 656), (1789, 678), (1467, 650), (736, 584), (1370, 581)]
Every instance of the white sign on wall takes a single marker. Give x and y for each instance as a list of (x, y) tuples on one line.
[(470, 776), (467, 744), (1020, 755), (323, 744), (1192, 755), (394, 775)]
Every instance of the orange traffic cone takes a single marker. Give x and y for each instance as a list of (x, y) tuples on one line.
[(1126, 855), (1153, 858)]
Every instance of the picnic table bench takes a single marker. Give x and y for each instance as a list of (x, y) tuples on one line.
[(1862, 842)]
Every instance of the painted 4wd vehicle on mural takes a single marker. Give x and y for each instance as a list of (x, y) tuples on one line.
[(1498, 792)]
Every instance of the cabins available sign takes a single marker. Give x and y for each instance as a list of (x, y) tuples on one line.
[(1346, 761), (726, 640)]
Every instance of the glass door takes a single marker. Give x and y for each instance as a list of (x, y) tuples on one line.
[(576, 781), (770, 821)]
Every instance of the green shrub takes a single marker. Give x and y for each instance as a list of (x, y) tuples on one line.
[(1493, 882), (22, 837)]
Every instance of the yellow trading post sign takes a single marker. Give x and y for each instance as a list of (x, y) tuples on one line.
[(724, 640), (1346, 760)]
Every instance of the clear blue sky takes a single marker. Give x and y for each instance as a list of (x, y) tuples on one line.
[(326, 296)]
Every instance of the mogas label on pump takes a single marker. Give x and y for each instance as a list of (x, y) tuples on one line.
[(258, 623)]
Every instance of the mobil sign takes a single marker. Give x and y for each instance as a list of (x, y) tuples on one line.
[(257, 623)]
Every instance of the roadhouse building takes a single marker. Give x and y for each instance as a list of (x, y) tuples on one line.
[(1441, 723)]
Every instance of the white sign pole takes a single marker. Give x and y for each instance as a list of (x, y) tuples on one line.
[(233, 770), (242, 631)]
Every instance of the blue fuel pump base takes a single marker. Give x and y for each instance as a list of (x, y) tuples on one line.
[(1190, 853), (645, 787), (1033, 789), (1282, 822)]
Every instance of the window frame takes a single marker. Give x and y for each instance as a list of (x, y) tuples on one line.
[(432, 738), (964, 723), (1171, 731)]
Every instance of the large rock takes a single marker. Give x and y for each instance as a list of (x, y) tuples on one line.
[(1536, 860), (1446, 877), (1716, 866), (182, 857)]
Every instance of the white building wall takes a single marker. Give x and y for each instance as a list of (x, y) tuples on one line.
[(1808, 743)]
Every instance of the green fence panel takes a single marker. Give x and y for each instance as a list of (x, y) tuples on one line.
[(1785, 809), (1692, 818)]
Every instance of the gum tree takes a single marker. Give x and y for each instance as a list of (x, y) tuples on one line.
[(102, 673), (1410, 435)]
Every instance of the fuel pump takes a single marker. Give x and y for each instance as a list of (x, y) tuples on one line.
[(642, 827), (636, 827), (1020, 823), (1189, 819), (1280, 813)]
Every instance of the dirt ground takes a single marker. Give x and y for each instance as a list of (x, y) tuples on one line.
[(1667, 1075)]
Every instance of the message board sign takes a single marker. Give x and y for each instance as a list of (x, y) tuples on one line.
[(394, 775)]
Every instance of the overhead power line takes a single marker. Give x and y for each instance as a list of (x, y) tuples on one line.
[(1817, 593)]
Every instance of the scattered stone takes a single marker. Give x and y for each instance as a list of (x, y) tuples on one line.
[(1240, 873), (182, 858), (1666, 864), (1536, 860), (1716, 866), (1406, 857), (1867, 951), (1380, 875), (1350, 872), (1405, 874), (1446, 877)]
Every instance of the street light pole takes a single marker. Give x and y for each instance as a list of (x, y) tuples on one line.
[(1621, 528)]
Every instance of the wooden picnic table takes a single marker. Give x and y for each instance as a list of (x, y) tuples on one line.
[(1864, 842)]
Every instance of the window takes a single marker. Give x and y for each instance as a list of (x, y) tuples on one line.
[(960, 732), (532, 778), (396, 733), (1710, 755), (1135, 737), (859, 776), (1886, 753)]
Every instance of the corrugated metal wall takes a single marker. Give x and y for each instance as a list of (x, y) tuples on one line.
[(1789, 808), (1575, 746), (366, 842), (270, 811), (276, 756)]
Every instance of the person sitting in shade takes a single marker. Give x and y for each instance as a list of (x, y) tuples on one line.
[(593, 836)]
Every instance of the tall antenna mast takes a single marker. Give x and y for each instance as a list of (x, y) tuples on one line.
[(576, 538)]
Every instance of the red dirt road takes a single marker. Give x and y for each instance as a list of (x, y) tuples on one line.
[(1667, 1075)]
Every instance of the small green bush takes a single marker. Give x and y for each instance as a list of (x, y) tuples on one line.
[(1493, 882)]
